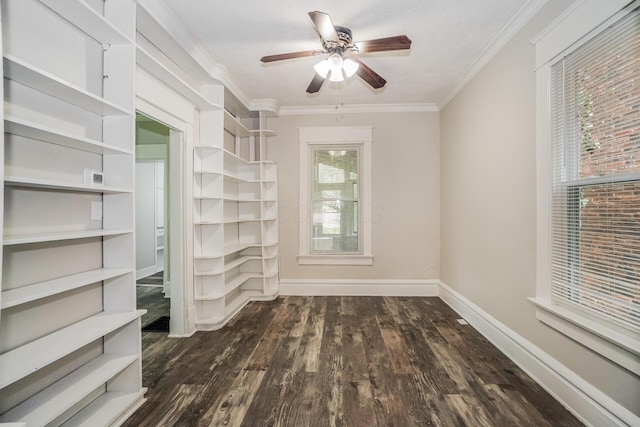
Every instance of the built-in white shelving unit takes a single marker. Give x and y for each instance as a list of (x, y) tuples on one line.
[(235, 215), (70, 343)]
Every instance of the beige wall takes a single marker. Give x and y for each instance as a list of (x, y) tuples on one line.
[(488, 209), (405, 195)]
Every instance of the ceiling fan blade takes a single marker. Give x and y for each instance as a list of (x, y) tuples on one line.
[(383, 45), (368, 75), (291, 55), (323, 26), (315, 84)]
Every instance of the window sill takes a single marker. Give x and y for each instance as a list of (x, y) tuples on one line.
[(622, 349), (330, 259)]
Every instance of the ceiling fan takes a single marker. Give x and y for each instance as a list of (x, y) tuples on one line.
[(337, 43)]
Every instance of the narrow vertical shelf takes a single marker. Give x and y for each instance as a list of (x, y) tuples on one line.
[(232, 219)]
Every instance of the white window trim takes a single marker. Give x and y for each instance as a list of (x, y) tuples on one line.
[(335, 135), (568, 32)]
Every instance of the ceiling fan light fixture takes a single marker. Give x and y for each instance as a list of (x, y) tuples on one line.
[(350, 67), (335, 62), (336, 76), (322, 68)]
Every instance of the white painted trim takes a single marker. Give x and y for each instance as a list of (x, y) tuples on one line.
[(146, 272), (359, 287), (334, 259), (582, 21), (579, 20), (581, 398), (616, 346), (297, 110), (516, 23), (335, 135), (161, 103), (184, 40)]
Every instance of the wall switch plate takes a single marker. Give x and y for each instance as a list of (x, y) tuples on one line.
[(93, 177), (96, 211)]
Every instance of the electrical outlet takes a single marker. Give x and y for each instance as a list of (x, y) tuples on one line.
[(96, 211)]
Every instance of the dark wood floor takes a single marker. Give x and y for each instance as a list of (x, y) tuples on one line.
[(150, 297), (339, 361)]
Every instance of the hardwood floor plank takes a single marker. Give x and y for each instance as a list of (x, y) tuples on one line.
[(469, 410), (328, 407), (311, 340), (233, 408), (389, 410), (393, 337), (340, 361)]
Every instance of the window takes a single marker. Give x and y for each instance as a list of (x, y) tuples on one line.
[(335, 201), (589, 208)]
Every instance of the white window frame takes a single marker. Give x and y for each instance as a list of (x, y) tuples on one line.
[(576, 26), (310, 137)]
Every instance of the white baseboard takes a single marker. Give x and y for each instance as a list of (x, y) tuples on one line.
[(359, 287), (585, 401), (144, 272)]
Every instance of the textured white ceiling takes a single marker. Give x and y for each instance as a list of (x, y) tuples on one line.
[(447, 36)]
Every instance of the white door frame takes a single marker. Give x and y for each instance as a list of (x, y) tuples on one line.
[(155, 101)]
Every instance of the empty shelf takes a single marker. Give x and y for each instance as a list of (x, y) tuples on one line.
[(30, 357), (25, 294), (55, 400)]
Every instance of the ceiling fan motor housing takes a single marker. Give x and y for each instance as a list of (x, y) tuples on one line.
[(345, 38)]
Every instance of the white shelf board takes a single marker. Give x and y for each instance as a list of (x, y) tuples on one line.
[(36, 78), (234, 126), (239, 280), (206, 198), (27, 129), (237, 199), (239, 300), (239, 220), (264, 132), (206, 172), (164, 74), (65, 235), (81, 15), (18, 181), (53, 401), (28, 358), (213, 296), (35, 291), (237, 159), (107, 409), (238, 179), (207, 147), (231, 249), (239, 261), (209, 273), (207, 222)]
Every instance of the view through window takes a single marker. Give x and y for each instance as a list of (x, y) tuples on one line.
[(335, 200)]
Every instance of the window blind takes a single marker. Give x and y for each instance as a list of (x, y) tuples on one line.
[(595, 206)]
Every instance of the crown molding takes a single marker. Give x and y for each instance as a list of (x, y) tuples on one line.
[(269, 106), (164, 18), (516, 23), (357, 108)]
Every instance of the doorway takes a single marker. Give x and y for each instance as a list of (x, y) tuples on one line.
[(153, 249)]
